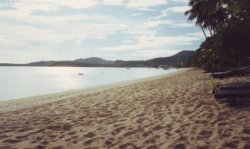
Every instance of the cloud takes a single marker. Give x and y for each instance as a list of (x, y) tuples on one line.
[(178, 9), (113, 2), (155, 23), (77, 4), (136, 4), (137, 14), (199, 34), (65, 29), (153, 42), (7, 56), (142, 4), (27, 7), (24, 6), (179, 1), (156, 53), (56, 29)]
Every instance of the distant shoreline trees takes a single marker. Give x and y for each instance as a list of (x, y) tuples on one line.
[(228, 22)]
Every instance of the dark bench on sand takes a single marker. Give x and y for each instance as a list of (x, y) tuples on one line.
[(243, 71), (234, 85), (231, 73), (232, 91)]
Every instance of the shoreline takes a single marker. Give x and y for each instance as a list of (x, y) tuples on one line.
[(28, 102), (177, 111)]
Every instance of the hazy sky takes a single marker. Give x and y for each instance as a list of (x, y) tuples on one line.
[(33, 30)]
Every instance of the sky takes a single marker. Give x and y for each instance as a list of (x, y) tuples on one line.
[(35, 30)]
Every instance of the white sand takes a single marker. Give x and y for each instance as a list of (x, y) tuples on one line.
[(162, 112), (22, 103)]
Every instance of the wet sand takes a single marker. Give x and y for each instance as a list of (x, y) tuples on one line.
[(177, 111)]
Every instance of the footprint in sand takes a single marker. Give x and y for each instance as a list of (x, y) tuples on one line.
[(58, 147), (246, 131), (67, 126), (22, 130), (22, 137), (111, 141), (54, 127), (150, 141), (40, 147), (3, 137), (90, 135), (205, 134), (128, 146), (147, 133), (129, 133), (230, 145), (12, 141), (180, 146), (152, 147), (117, 130), (88, 142), (158, 128), (246, 146)]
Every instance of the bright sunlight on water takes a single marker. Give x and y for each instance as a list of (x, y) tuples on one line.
[(18, 82)]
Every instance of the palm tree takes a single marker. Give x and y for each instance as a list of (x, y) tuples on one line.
[(208, 14), (228, 22), (196, 13)]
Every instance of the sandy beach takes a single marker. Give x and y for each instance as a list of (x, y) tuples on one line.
[(173, 111)]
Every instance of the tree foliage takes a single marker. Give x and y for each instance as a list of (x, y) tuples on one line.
[(229, 24)]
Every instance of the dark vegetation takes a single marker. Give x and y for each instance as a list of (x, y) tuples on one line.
[(228, 23)]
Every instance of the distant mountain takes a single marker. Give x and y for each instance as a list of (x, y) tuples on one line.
[(179, 59), (94, 60), (121, 63), (41, 63), (73, 64), (9, 64)]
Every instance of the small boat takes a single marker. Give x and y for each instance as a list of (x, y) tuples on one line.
[(80, 74)]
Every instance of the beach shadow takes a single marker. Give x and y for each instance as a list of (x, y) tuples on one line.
[(241, 104)]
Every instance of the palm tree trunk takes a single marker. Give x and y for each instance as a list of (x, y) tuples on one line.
[(210, 30), (203, 32)]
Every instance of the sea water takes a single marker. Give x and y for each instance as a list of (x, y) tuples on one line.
[(19, 82)]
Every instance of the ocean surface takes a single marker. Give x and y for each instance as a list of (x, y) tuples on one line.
[(19, 82)]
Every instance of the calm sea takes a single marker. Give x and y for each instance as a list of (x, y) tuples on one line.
[(18, 82)]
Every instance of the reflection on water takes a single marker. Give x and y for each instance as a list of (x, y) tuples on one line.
[(17, 82), (64, 77)]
